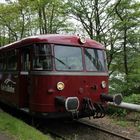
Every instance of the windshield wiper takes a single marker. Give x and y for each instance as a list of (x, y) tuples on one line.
[(62, 62)]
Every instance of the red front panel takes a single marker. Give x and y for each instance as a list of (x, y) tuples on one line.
[(44, 90)]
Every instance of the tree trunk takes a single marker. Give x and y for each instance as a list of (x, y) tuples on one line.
[(97, 21), (45, 20), (40, 20), (125, 52)]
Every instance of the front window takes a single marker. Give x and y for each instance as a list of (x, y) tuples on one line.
[(42, 57), (68, 58), (95, 60)]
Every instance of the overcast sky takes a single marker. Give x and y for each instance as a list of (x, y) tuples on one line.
[(2, 1)]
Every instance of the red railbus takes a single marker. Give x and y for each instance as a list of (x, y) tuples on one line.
[(55, 76)]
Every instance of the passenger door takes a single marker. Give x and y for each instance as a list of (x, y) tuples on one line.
[(24, 77)]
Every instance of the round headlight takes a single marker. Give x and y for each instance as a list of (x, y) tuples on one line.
[(60, 85), (82, 39), (103, 84)]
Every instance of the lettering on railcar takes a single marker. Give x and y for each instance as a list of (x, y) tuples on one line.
[(8, 85)]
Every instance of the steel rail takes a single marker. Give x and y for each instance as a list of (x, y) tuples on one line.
[(103, 130), (55, 134)]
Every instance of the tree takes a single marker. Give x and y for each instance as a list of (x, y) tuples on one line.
[(50, 16), (33, 17), (127, 13), (92, 15), (125, 65)]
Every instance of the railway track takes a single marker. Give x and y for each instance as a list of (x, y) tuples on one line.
[(74, 130), (105, 130), (81, 130)]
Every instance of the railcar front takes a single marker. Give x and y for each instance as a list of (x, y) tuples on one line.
[(68, 80)]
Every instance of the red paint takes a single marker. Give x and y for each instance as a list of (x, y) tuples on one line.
[(38, 92), (53, 39), (42, 100)]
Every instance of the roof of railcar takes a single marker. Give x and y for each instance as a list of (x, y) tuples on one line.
[(54, 39)]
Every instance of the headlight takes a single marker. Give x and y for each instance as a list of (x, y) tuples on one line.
[(103, 84), (82, 39), (60, 85)]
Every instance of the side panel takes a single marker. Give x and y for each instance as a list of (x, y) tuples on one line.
[(9, 88), (14, 84), (23, 90)]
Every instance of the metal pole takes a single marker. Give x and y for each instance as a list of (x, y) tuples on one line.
[(128, 106)]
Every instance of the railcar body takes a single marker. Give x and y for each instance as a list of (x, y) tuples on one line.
[(55, 76)]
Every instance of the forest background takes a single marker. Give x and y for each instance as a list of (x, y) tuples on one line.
[(114, 23)]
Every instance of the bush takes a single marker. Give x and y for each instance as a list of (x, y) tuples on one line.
[(134, 98), (116, 112), (126, 85)]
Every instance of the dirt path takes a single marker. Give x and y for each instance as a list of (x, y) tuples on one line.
[(4, 137), (106, 122)]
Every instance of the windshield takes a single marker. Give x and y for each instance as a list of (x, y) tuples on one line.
[(95, 60), (68, 58)]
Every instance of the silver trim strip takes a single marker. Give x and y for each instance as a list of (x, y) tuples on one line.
[(69, 73), (24, 73)]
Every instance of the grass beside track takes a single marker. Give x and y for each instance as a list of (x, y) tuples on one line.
[(19, 130)]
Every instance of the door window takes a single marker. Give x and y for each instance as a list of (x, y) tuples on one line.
[(26, 59)]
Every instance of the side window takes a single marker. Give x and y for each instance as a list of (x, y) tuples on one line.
[(4, 61), (42, 59), (12, 60), (1, 62), (25, 59)]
